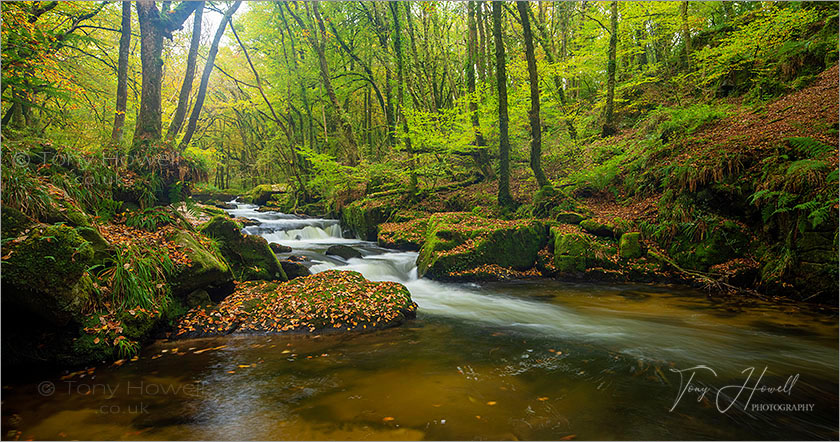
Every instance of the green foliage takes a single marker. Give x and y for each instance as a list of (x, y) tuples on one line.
[(136, 276), (799, 186), (150, 219)]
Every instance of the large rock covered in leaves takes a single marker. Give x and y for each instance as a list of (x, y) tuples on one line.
[(457, 243), (331, 300), (249, 256)]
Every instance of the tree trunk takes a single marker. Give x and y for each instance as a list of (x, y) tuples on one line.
[(122, 75), (534, 112), (686, 36), (189, 76), (481, 157), (480, 50), (412, 187), (609, 123), (324, 69), (205, 77), (153, 28), (505, 200)]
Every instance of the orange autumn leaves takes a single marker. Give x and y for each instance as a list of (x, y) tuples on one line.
[(331, 300)]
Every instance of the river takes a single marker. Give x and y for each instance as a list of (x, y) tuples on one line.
[(536, 359)]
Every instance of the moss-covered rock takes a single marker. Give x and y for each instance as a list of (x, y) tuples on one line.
[(629, 246), (722, 242), (569, 217), (207, 270), (576, 251), (14, 222), (331, 300), (364, 216), (45, 273), (456, 242), (408, 235), (263, 193), (249, 256), (598, 228)]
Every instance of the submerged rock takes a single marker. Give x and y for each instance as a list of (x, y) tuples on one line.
[(249, 256), (456, 243), (331, 300), (343, 251)]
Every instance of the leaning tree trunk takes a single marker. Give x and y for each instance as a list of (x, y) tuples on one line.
[(122, 75), (154, 26), (189, 76), (205, 78), (505, 199), (534, 112), (609, 119)]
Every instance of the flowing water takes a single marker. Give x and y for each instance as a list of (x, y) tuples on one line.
[(519, 360)]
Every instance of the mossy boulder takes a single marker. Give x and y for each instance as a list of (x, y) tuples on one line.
[(569, 217), (331, 300), (14, 222), (458, 242), (629, 246), (262, 194), (576, 251), (249, 256), (408, 235), (364, 216), (45, 273), (599, 228), (67, 211), (207, 270), (279, 248), (722, 242)]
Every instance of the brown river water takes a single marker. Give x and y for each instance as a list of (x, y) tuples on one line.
[(540, 360)]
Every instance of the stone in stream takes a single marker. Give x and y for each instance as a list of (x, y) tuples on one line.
[(249, 256), (343, 251), (207, 270), (294, 269), (279, 248), (330, 300), (459, 245)]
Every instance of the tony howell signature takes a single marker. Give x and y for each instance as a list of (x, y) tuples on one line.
[(728, 395)]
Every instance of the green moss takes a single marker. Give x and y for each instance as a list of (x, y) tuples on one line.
[(407, 235), (14, 222), (249, 256), (629, 246), (456, 242), (262, 194), (48, 272), (598, 228), (722, 242), (207, 268), (576, 252), (364, 216)]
